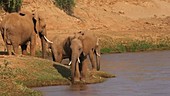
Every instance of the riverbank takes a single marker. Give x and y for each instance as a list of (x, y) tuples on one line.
[(19, 74), (128, 42)]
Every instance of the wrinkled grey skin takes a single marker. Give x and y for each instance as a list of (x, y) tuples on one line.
[(17, 29)]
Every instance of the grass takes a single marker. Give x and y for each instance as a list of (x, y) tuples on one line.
[(106, 50), (134, 45), (66, 5), (11, 88), (11, 5), (19, 74)]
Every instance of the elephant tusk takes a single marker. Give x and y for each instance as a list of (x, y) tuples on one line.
[(98, 54), (69, 63), (47, 39), (78, 60), (97, 43)]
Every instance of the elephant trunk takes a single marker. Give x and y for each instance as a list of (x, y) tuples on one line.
[(75, 67), (43, 43)]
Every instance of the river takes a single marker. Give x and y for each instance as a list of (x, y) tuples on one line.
[(138, 74)]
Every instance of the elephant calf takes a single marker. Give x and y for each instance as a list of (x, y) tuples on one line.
[(60, 48)]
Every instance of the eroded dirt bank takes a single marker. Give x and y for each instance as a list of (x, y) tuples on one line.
[(118, 20)]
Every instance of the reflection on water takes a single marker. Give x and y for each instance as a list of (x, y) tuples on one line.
[(137, 74), (78, 87)]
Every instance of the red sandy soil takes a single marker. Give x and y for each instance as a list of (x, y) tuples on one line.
[(113, 18)]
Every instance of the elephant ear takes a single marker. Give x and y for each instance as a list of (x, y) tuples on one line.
[(36, 22), (70, 38), (84, 41), (40, 23)]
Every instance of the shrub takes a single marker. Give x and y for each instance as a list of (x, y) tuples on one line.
[(134, 45), (11, 5), (106, 50), (66, 5), (1, 4)]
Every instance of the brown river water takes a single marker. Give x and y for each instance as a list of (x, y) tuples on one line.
[(138, 74)]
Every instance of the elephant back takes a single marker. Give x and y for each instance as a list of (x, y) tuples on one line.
[(89, 41), (17, 25), (17, 18)]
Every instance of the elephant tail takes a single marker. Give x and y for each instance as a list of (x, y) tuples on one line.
[(5, 37)]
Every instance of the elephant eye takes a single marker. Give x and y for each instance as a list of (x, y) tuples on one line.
[(79, 49)]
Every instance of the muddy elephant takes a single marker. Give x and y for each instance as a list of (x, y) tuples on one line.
[(17, 29), (83, 45)]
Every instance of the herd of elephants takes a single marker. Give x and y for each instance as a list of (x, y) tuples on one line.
[(17, 29)]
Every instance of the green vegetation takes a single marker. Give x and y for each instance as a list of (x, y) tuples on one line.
[(18, 74), (11, 5), (66, 5), (134, 45), (1, 3)]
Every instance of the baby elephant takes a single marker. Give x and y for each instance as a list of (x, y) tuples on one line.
[(60, 48)]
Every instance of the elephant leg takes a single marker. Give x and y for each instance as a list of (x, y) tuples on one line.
[(24, 49), (9, 49), (98, 54), (59, 59), (16, 49), (32, 46), (92, 59), (84, 69)]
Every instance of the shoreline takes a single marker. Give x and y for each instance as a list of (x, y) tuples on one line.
[(20, 74)]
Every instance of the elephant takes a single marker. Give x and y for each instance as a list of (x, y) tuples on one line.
[(76, 47), (60, 48), (17, 29), (83, 45)]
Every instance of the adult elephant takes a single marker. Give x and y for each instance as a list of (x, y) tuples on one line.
[(17, 29), (83, 45)]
